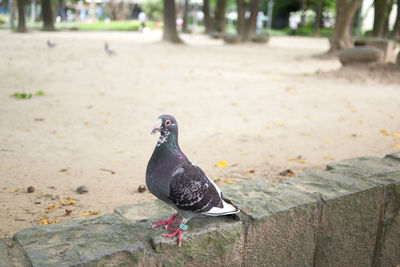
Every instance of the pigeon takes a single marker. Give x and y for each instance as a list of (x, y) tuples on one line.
[(172, 178), (50, 44), (108, 49)]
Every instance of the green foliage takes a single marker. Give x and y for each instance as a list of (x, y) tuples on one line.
[(153, 9), (22, 95), (27, 95), (130, 25), (39, 93)]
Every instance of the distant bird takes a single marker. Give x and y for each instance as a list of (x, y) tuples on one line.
[(50, 44), (108, 49), (171, 177)]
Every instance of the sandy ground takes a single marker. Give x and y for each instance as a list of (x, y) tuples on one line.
[(255, 106)]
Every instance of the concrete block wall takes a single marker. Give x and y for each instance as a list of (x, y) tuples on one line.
[(347, 215)]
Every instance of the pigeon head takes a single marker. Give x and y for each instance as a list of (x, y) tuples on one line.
[(165, 124)]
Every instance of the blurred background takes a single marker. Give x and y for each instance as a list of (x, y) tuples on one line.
[(301, 17), (260, 89)]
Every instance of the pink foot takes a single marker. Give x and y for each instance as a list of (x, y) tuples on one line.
[(168, 222), (177, 232)]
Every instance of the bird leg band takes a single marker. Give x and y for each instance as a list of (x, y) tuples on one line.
[(183, 226)]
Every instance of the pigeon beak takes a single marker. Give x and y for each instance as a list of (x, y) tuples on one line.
[(157, 127)]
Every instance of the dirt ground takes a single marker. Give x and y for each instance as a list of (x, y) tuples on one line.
[(261, 108)]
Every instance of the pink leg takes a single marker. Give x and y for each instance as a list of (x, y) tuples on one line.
[(168, 222), (177, 232)]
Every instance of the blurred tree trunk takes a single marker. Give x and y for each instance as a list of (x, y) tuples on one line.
[(47, 13), (170, 33), (240, 19), (21, 16), (185, 17), (303, 13), (345, 10), (396, 28), (125, 10), (386, 24), (381, 8), (220, 16), (207, 18), (318, 17), (250, 24), (114, 9)]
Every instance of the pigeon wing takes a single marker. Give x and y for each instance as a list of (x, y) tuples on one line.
[(191, 190)]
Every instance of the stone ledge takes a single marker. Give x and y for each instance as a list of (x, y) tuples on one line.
[(347, 215)]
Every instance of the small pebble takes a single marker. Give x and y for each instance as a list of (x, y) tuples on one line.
[(141, 188), (82, 189), (31, 189)]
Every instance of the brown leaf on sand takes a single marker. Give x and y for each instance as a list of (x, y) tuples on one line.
[(15, 190), (67, 212), (250, 171), (52, 207), (288, 173), (63, 170)]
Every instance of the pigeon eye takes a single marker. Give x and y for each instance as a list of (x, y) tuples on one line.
[(168, 123)]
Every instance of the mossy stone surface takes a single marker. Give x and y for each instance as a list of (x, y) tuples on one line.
[(12, 254), (84, 241)]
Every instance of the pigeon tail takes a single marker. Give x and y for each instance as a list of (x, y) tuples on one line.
[(227, 208)]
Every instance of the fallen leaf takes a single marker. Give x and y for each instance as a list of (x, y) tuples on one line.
[(68, 212), (302, 161), (63, 203), (397, 145), (52, 207), (15, 190), (90, 213), (70, 201), (384, 132), (39, 119), (395, 134), (63, 170), (37, 202), (217, 179), (43, 220), (222, 164), (328, 158), (250, 171), (288, 173), (229, 181)]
